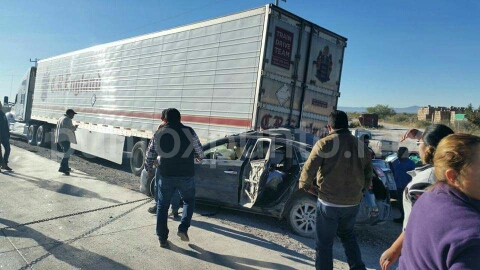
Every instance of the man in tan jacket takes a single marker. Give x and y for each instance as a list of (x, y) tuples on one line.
[(343, 170), (65, 135)]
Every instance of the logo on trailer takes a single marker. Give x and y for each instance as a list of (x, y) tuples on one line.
[(74, 84), (278, 121), (319, 103), (324, 65), (282, 48), (45, 85)]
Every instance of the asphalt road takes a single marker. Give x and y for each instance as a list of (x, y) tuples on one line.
[(120, 237), (222, 226)]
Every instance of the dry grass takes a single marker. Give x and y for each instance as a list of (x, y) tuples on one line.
[(411, 120)]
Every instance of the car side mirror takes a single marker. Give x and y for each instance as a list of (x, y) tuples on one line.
[(5, 100)]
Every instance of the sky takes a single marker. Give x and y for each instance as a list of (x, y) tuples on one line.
[(399, 53)]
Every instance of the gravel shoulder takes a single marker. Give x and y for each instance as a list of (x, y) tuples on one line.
[(373, 240)]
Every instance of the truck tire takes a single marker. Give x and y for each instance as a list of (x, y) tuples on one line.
[(302, 216), (31, 134), (138, 157), (40, 136)]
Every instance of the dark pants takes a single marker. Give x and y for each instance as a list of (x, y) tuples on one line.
[(167, 187), (67, 152), (175, 199), (338, 221), (400, 202), (6, 145)]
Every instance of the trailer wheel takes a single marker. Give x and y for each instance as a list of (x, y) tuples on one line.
[(31, 134), (138, 157), (40, 136)]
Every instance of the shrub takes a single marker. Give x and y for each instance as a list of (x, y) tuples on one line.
[(354, 124), (383, 111)]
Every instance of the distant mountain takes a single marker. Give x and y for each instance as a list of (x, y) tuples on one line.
[(411, 109), (352, 109)]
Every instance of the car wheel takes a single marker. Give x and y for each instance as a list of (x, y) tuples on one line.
[(40, 136), (31, 134), (302, 216), (138, 157)]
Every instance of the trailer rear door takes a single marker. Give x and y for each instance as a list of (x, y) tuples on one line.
[(301, 73)]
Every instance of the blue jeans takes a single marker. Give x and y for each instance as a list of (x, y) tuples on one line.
[(167, 187), (175, 199), (338, 221), (67, 152)]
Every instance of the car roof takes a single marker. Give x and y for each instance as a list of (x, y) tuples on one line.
[(272, 134), (280, 135)]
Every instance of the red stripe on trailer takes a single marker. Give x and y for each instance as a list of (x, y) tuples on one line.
[(156, 116)]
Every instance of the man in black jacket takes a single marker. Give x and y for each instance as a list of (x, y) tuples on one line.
[(4, 139), (178, 146)]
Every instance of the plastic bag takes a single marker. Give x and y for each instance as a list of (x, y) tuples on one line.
[(275, 177), (144, 177)]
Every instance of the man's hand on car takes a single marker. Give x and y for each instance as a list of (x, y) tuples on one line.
[(312, 189)]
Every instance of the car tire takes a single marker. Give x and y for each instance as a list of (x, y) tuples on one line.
[(302, 216), (32, 134), (40, 136), (138, 157)]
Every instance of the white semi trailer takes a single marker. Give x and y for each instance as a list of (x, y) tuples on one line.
[(257, 69)]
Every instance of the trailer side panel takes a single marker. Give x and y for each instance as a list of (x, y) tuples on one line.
[(207, 70)]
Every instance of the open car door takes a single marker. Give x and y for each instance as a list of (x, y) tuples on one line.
[(256, 172), (217, 177)]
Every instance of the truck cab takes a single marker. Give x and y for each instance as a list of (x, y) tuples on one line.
[(21, 110)]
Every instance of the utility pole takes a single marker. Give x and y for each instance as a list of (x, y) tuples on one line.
[(34, 61), (11, 84)]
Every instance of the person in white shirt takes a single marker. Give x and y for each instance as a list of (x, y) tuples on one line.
[(65, 135)]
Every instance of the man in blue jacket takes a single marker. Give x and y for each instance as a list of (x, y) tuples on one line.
[(401, 166)]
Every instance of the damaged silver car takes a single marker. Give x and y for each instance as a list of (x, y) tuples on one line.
[(258, 172)]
